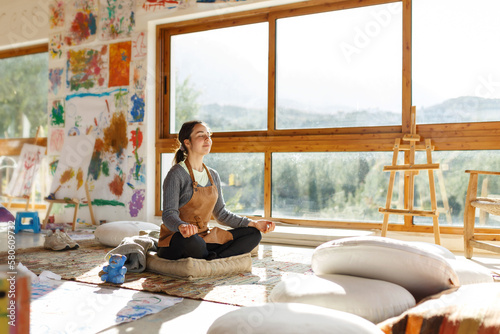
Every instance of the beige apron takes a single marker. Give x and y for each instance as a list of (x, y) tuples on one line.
[(198, 212)]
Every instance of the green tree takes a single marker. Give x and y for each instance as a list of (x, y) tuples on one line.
[(186, 101), (23, 93)]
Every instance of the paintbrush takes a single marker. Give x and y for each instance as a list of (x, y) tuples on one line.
[(53, 195)]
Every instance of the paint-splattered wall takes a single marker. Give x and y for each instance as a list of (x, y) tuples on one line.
[(97, 76), (97, 86)]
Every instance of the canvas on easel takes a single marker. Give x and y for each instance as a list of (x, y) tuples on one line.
[(21, 183), (69, 184)]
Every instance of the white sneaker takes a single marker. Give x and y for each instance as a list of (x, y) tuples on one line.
[(54, 241), (71, 243)]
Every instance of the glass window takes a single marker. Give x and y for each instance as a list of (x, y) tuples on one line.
[(23, 95), (319, 186), (340, 68), (220, 76), (455, 72), (451, 184), (242, 179)]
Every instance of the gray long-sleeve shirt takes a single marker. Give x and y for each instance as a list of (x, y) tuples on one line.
[(178, 190)]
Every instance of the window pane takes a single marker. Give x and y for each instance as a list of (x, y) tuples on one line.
[(220, 77), (451, 183), (242, 179), (455, 60), (340, 69), (23, 95), (319, 186)]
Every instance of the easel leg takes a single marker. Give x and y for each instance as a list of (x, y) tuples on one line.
[(46, 220), (385, 225), (90, 204), (435, 223), (77, 205)]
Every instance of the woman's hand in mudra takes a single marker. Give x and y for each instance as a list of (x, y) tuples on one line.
[(263, 225), (188, 230)]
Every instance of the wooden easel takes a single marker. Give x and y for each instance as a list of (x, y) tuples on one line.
[(411, 170), (74, 201)]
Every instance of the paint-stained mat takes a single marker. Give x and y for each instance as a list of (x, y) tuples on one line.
[(273, 264)]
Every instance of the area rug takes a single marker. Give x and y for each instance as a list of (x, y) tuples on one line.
[(272, 265)]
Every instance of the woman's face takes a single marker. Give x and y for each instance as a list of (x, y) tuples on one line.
[(200, 141)]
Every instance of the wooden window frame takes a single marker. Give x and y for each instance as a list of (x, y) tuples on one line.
[(449, 136)]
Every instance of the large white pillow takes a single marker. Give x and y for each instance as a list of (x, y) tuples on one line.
[(291, 318), (371, 299), (469, 272), (418, 270), (112, 233)]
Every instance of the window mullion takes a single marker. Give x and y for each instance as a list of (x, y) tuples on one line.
[(271, 98)]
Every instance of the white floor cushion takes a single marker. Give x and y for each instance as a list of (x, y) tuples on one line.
[(470, 272), (371, 299), (417, 269), (277, 318), (112, 233)]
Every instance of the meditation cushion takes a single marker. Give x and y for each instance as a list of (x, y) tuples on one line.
[(190, 268), (473, 308), (433, 248), (418, 270), (469, 272), (290, 318), (371, 299), (112, 234)]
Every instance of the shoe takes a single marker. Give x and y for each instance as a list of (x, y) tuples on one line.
[(71, 243), (54, 241)]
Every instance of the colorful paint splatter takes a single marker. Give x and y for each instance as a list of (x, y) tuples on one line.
[(57, 113), (137, 202), (56, 14), (86, 68), (119, 64), (117, 18), (55, 80), (84, 23), (56, 44), (56, 141), (137, 112), (139, 46)]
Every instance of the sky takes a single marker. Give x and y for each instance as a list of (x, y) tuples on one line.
[(351, 59)]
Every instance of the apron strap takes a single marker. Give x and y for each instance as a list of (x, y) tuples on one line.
[(190, 169)]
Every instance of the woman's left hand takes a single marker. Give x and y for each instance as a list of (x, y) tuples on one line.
[(263, 225)]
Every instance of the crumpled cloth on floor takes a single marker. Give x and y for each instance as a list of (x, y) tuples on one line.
[(135, 249)]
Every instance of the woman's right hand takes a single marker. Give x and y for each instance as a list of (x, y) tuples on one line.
[(188, 230)]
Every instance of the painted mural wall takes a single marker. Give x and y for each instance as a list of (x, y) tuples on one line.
[(97, 76)]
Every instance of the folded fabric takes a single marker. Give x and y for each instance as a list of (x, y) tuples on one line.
[(135, 249)]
